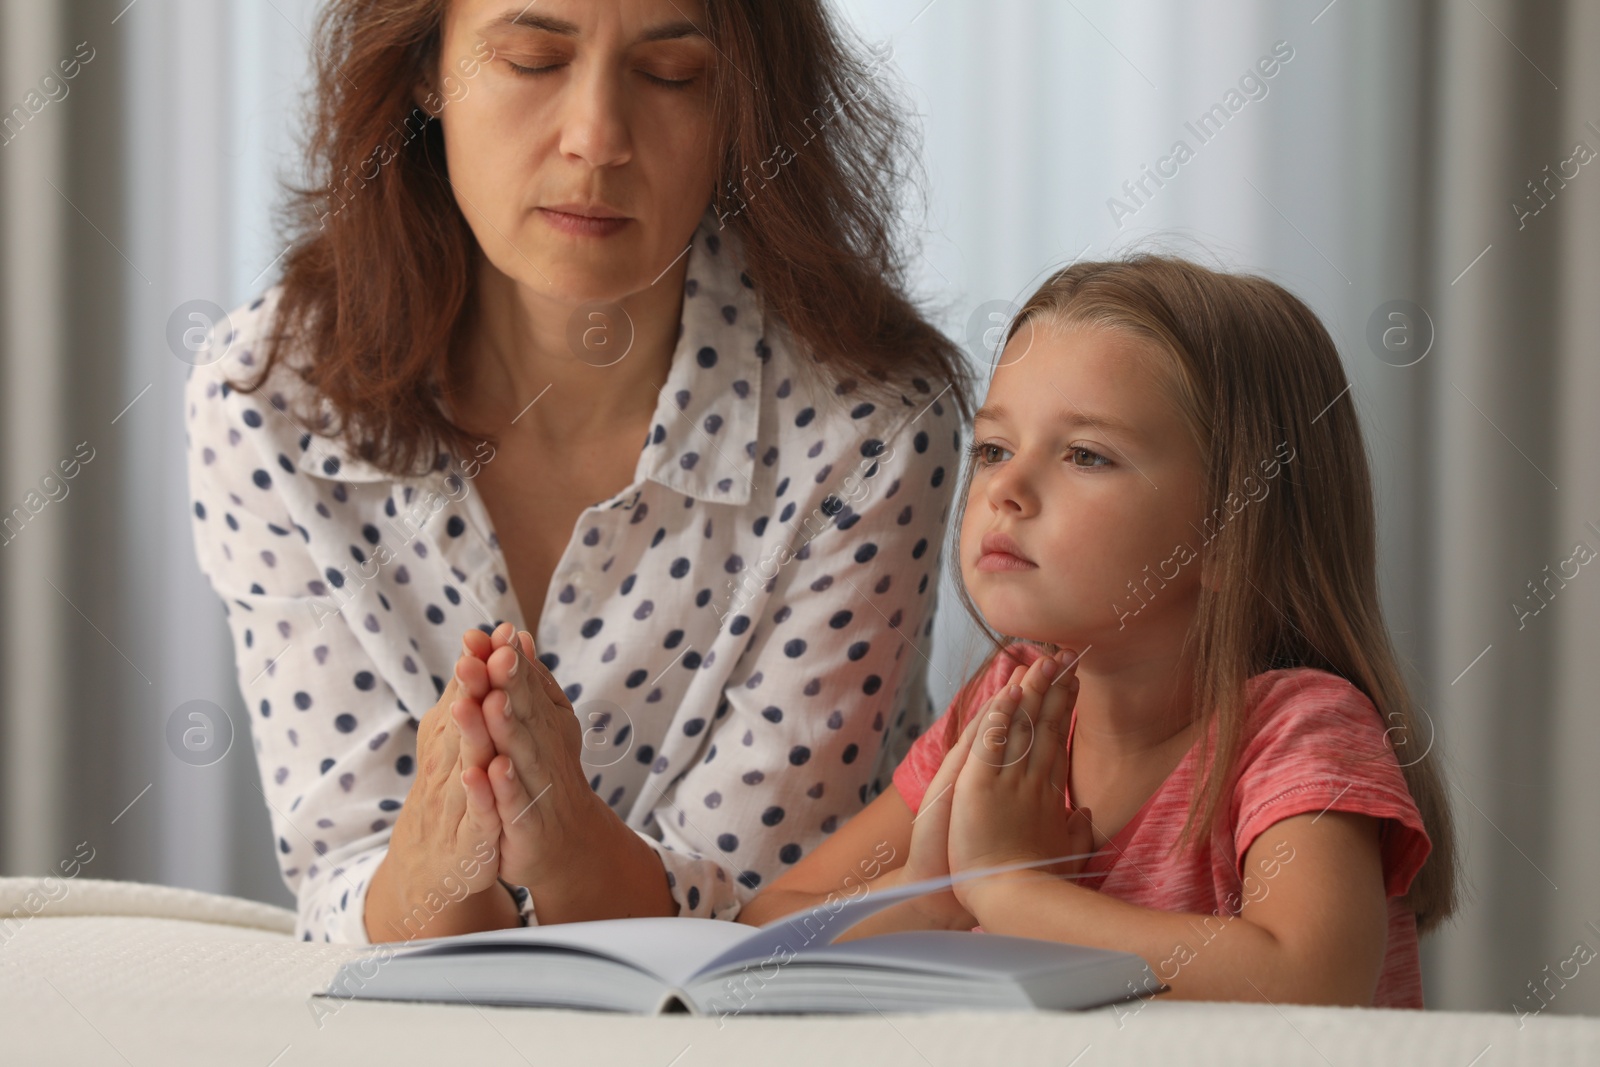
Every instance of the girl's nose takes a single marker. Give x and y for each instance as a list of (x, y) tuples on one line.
[(1010, 490)]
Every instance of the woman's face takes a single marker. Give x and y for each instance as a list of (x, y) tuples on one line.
[(578, 136), (1084, 476)]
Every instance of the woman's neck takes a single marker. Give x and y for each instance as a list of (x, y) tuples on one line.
[(528, 347)]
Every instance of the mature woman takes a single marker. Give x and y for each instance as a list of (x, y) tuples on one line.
[(536, 239)]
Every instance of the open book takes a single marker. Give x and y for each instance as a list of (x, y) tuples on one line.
[(721, 968)]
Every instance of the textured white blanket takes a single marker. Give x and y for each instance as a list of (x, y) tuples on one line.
[(125, 973), (22, 898)]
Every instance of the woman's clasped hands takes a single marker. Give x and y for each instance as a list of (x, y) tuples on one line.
[(522, 746)]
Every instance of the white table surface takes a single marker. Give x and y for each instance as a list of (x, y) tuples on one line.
[(125, 973)]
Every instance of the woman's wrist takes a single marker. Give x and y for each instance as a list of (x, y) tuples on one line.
[(605, 870), (403, 904)]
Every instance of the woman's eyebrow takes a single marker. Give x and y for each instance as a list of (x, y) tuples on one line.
[(524, 21), (670, 31)]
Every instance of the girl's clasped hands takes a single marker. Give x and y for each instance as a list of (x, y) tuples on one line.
[(998, 799)]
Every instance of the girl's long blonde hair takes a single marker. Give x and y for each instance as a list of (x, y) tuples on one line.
[(1291, 578)]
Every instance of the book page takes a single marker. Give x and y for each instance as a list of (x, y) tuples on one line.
[(822, 923)]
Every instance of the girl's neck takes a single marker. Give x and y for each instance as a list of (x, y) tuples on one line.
[(1131, 708)]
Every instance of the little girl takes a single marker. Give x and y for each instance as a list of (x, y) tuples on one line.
[(1169, 514)]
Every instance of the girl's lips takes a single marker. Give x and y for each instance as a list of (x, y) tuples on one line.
[(1000, 552), (1003, 561), (583, 225)]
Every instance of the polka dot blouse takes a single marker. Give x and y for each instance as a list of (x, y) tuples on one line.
[(743, 631)]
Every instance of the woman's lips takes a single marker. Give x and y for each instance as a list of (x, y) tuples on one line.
[(578, 223)]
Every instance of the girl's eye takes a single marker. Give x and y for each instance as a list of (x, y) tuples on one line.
[(986, 453), (1076, 452)]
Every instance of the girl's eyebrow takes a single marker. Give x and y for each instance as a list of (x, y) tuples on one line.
[(997, 412)]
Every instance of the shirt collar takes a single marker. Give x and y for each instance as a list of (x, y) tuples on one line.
[(703, 435), (327, 457)]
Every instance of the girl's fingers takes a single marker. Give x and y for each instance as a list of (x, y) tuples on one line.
[(993, 728), (1080, 830), (1056, 772), (1025, 718), (950, 766), (941, 791), (1055, 712)]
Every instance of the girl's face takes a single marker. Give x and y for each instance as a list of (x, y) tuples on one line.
[(1084, 475), (579, 137)]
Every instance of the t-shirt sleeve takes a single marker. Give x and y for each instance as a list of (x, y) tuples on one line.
[(921, 762), (1320, 745)]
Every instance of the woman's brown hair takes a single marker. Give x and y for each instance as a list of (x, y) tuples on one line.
[(379, 276), (1291, 578)]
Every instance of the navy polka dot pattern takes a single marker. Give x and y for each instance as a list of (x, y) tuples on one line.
[(743, 631)]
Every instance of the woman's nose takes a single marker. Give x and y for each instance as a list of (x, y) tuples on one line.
[(595, 126)]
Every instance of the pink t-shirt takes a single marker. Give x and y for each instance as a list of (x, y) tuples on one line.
[(1315, 742)]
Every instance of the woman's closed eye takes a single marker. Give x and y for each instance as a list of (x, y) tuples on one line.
[(674, 77), (537, 66)]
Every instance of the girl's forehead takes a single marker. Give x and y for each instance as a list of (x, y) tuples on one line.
[(1049, 365)]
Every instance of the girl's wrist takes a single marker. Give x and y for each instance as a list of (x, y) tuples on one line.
[(990, 891)]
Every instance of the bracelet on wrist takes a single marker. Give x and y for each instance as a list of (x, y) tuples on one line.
[(523, 900)]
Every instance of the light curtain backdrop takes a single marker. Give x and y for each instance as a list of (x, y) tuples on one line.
[(1382, 162)]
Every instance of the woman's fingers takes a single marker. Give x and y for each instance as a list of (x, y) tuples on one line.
[(512, 735), (512, 801), (477, 747), (525, 677), (473, 674), (477, 644), (483, 815), (501, 636), (439, 746), (510, 674), (541, 674)]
